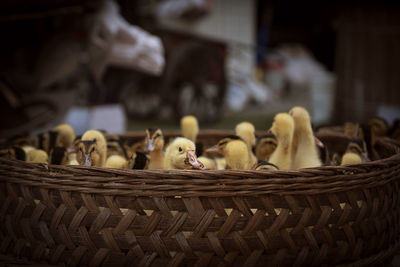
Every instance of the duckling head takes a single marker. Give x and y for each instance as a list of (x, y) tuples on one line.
[(283, 127), (379, 126), (190, 127), (219, 148), (181, 154), (359, 147), (88, 153), (266, 144), (301, 117), (237, 155), (246, 131), (154, 139), (66, 135), (38, 156)]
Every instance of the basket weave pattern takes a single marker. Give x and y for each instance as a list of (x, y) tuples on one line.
[(91, 216)]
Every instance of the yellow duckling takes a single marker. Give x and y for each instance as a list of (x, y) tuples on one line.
[(190, 127), (27, 149), (305, 151), (154, 142), (237, 155), (66, 135), (38, 156), (181, 154), (92, 149), (356, 152), (246, 131), (190, 130), (265, 146), (235, 152), (282, 128), (116, 161)]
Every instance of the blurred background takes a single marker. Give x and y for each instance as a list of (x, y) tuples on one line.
[(127, 65)]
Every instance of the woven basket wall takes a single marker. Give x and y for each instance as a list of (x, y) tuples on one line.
[(79, 216)]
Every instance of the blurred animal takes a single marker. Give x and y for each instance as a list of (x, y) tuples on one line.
[(305, 152), (190, 130), (265, 146), (38, 156), (154, 142), (92, 149), (66, 135), (283, 129), (234, 150), (246, 131)]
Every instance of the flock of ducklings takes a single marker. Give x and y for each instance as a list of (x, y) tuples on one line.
[(290, 143)]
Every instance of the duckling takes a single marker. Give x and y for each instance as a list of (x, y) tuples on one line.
[(379, 126), (66, 135), (115, 146), (237, 155), (283, 129), (356, 152), (235, 151), (220, 162), (190, 127), (246, 131), (265, 145), (190, 130), (219, 148), (264, 165), (154, 141), (92, 149), (351, 158), (15, 152), (38, 156), (116, 161), (305, 152), (181, 154), (27, 149)]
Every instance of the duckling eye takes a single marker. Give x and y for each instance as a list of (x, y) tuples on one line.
[(180, 149), (92, 150)]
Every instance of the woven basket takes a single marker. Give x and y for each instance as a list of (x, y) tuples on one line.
[(79, 216)]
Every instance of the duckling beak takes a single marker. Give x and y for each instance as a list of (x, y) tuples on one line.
[(269, 131), (191, 159), (150, 145), (319, 142), (214, 150), (88, 161)]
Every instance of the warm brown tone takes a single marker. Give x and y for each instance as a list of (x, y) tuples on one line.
[(92, 216)]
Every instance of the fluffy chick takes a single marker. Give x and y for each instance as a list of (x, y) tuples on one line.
[(282, 128), (305, 151), (38, 156), (92, 149), (181, 154)]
